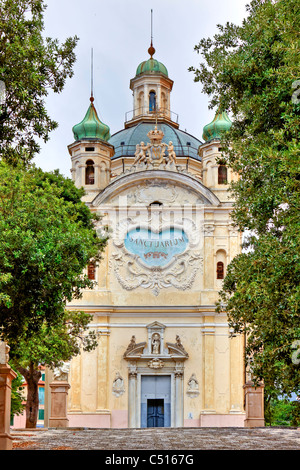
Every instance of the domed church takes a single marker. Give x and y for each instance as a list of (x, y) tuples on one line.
[(165, 358)]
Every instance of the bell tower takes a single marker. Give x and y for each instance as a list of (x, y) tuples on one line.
[(215, 175), (91, 153)]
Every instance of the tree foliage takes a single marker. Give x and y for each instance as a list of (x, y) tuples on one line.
[(47, 234), (55, 342), (30, 66), (52, 344), (252, 71), (47, 237)]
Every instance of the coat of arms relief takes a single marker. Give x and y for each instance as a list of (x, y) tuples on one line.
[(152, 155)]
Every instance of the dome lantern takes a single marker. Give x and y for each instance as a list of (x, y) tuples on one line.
[(151, 88)]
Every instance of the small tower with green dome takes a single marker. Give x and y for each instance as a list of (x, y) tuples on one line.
[(216, 176), (91, 153), (220, 124)]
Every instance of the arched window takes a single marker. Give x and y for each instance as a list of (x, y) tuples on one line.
[(141, 103), (156, 203), (222, 174), (91, 271), (152, 101), (220, 270), (89, 172), (164, 102)]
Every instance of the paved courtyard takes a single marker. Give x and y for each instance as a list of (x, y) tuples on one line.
[(165, 439)]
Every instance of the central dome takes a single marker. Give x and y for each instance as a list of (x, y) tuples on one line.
[(125, 141)]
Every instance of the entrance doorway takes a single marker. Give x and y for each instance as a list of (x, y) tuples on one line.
[(155, 413), (155, 401)]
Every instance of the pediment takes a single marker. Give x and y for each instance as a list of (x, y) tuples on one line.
[(134, 349), (144, 350), (155, 325), (166, 180), (177, 350)]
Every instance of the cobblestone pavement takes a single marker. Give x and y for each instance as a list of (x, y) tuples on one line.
[(166, 439)]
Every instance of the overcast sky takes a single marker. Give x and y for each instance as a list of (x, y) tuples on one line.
[(119, 31)]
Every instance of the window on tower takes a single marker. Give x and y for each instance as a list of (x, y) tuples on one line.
[(91, 271), (152, 101), (220, 270), (89, 172), (222, 174)]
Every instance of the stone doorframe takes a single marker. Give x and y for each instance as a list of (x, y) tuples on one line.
[(153, 358)]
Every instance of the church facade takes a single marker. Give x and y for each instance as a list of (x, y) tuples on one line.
[(164, 357)]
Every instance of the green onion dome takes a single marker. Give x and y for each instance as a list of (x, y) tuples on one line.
[(91, 127), (221, 123), (151, 65)]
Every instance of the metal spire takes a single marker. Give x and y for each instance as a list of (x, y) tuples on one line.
[(92, 76), (151, 49), (151, 25)]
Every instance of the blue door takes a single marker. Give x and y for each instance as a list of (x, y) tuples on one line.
[(155, 401), (155, 414)]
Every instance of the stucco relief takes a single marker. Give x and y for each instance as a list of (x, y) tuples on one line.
[(61, 373), (156, 255), (157, 190), (193, 387), (146, 194), (118, 385), (156, 364)]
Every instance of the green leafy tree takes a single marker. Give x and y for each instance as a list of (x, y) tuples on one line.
[(30, 67), (47, 238), (50, 346), (252, 71), (283, 412)]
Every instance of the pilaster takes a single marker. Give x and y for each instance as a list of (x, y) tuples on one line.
[(6, 377), (208, 369)]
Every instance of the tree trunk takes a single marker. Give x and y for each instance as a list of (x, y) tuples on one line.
[(32, 377), (267, 410)]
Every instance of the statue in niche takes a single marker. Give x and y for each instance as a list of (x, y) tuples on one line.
[(118, 385), (155, 343)]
